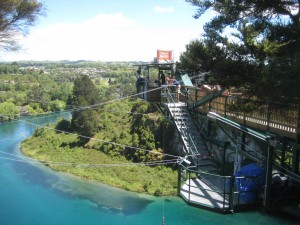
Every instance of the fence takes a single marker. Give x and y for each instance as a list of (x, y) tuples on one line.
[(219, 193), (283, 121)]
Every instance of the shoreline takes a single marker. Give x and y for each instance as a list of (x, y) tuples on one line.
[(157, 181)]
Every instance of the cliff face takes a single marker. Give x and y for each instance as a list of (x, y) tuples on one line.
[(130, 134), (176, 143)]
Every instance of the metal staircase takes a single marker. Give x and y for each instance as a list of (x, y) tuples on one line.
[(194, 145), (203, 190), (206, 189)]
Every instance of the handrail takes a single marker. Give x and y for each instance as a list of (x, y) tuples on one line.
[(223, 203), (263, 118), (168, 93), (190, 139)]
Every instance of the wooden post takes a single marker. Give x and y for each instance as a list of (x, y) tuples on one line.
[(225, 106)]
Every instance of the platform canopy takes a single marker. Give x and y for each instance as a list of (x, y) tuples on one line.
[(186, 80)]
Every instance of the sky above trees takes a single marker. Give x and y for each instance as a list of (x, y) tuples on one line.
[(109, 30)]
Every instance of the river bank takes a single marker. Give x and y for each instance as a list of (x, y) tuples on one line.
[(59, 152)]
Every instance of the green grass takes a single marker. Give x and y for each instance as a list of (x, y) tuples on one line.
[(57, 147)]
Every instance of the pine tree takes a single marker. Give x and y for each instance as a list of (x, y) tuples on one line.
[(85, 116), (15, 17), (250, 44)]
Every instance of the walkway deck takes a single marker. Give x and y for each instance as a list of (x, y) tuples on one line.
[(203, 193)]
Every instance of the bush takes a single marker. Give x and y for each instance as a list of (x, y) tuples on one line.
[(63, 125), (157, 192), (58, 105)]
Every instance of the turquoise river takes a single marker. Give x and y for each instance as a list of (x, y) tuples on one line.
[(33, 194)]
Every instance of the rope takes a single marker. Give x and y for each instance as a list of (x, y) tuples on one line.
[(78, 108), (100, 140), (32, 161)]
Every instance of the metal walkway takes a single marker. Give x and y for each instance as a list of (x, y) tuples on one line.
[(198, 191), (194, 146), (200, 185), (207, 189)]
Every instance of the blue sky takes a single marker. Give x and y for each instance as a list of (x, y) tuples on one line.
[(109, 30)]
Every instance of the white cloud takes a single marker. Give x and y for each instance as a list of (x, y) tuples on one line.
[(160, 9), (106, 37)]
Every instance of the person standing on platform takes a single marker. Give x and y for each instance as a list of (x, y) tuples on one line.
[(169, 82), (140, 84), (162, 78), (177, 89), (170, 79)]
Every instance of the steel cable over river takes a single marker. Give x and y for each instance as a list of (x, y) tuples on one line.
[(32, 193)]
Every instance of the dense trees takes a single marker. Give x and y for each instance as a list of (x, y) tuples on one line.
[(37, 91), (8, 111), (252, 45), (129, 134), (9, 69), (46, 86), (16, 16)]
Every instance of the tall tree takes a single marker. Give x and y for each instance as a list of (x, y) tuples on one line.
[(252, 44), (16, 16), (84, 97)]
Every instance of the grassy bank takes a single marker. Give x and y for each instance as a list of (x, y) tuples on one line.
[(50, 146)]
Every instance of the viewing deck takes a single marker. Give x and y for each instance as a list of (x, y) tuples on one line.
[(198, 191), (200, 184), (284, 121)]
